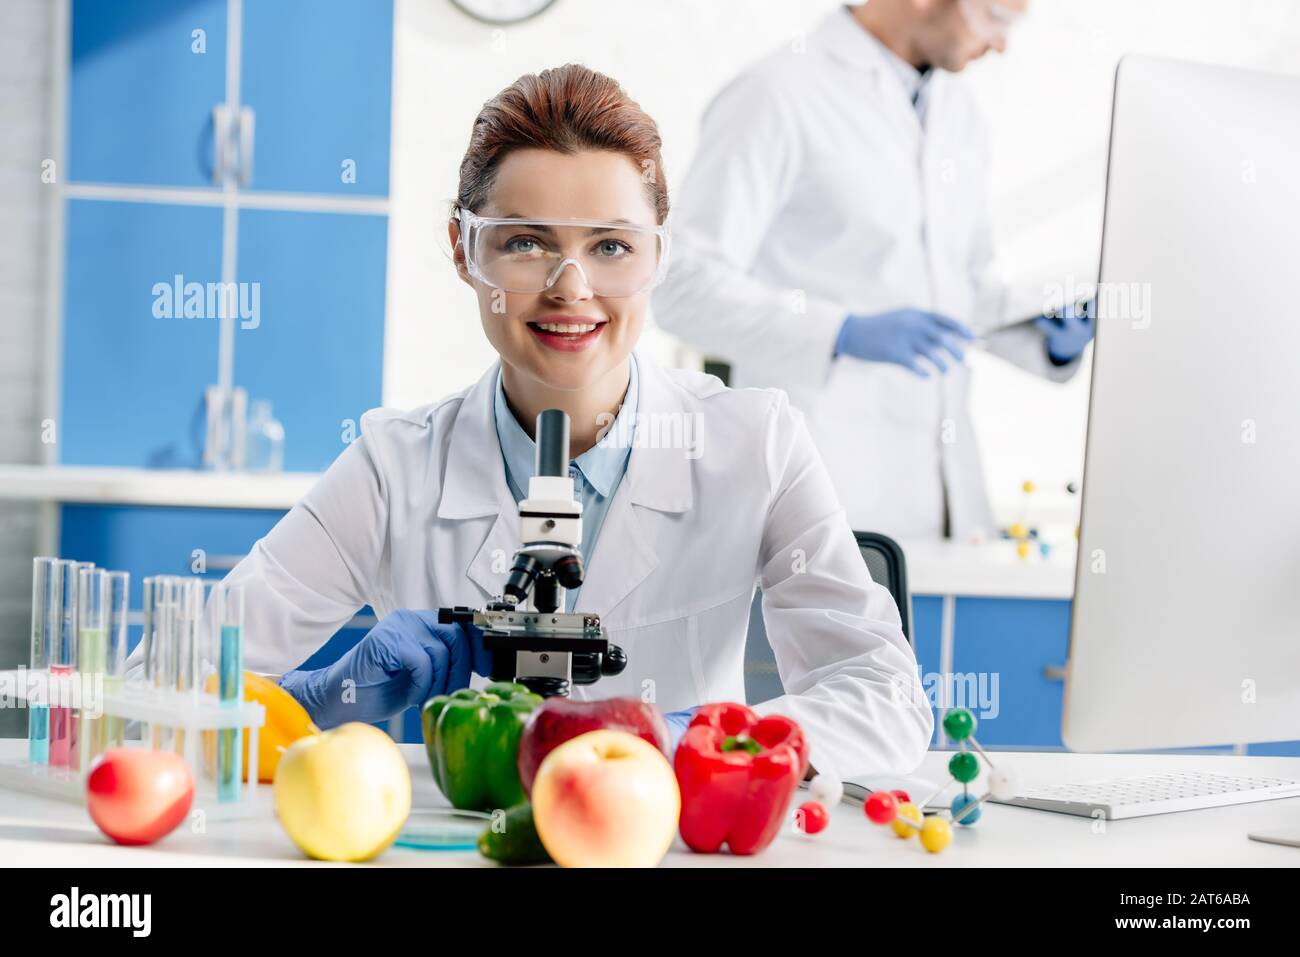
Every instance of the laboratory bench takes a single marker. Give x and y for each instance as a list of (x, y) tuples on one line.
[(37, 832), (990, 629)]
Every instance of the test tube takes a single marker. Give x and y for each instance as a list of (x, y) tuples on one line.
[(228, 611), (163, 651), (63, 658), (119, 610), (146, 642), (38, 709), (188, 618), (92, 659)]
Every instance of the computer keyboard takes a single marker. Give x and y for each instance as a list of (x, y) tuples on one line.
[(1153, 794)]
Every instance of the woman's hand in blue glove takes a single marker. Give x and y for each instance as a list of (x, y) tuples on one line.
[(678, 722), (403, 661)]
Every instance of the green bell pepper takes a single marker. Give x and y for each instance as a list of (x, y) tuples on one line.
[(472, 738)]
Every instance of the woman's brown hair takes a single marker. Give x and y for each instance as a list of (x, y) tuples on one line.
[(568, 109)]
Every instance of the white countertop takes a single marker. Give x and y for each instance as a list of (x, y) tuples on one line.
[(992, 569), (175, 487), (933, 568), (39, 832)]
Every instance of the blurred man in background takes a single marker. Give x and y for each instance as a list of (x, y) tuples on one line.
[(832, 238)]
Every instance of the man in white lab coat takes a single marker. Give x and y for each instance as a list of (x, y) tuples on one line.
[(832, 238)]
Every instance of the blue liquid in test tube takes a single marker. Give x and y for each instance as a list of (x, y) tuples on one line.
[(38, 711), (230, 752)]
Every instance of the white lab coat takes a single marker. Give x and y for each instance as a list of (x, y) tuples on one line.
[(417, 514), (816, 193)]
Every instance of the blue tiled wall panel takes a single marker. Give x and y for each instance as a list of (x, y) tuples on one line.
[(1014, 639), (139, 98), (318, 74), (132, 383), (316, 349)]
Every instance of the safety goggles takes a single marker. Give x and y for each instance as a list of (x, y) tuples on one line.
[(989, 20), (528, 256)]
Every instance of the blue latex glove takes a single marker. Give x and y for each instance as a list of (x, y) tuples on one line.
[(403, 661), (903, 337), (1069, 332), (678, 722)]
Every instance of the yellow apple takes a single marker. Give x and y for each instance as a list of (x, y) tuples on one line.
[(343, 795), (606, 799)]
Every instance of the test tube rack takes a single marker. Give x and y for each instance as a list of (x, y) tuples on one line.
[(189, 712)]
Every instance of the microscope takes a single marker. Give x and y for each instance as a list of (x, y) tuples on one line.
[(532, 640)]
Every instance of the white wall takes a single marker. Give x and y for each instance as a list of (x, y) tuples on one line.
[(25, 122), (1047, 102)]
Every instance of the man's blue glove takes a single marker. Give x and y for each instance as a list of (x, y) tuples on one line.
[(678, 722), (403, 661), (1068, 332), (903, 337)]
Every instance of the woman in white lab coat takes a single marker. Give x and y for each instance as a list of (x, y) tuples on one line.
[(711, 491)]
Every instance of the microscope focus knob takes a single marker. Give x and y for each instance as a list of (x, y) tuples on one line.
[(613, 661)]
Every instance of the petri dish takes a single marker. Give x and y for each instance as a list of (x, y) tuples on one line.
[(442, 829)]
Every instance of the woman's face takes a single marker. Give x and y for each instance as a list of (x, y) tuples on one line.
[(543, 184)]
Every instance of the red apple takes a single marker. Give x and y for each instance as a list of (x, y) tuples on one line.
[(606, 799), (559, 719), (138, 795)]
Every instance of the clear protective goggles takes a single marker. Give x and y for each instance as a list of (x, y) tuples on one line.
[(989, 20), (529, 256)]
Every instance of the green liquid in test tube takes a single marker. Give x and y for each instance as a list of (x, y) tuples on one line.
[(92, 659), (230, 616)]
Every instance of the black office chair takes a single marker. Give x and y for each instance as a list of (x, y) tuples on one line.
[(885, 562)]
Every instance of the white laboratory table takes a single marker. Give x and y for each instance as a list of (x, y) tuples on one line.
[(37, 832)]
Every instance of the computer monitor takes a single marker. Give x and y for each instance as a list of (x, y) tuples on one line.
[(1186, 621)]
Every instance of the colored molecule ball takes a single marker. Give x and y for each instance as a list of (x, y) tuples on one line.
[(827, 788), (959, 804), (907, 812), (1022, 549), (902, 796), (959, 724), (936, 834), (1018, 531), (812, 817), (881, 807), (1028, 487), (964, 767)]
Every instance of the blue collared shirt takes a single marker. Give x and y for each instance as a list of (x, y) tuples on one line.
[(595, 473)]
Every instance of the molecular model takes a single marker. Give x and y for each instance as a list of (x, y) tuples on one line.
[(1022, 533), (895, 809)]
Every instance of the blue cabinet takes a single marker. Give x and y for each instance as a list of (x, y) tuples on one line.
[(317, 350), (317, 74), (313, 80), (140, 97), (156, 540), (1003, 650), (927, 642), (132, 383)]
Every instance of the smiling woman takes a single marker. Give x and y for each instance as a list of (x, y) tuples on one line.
[(691, 494)]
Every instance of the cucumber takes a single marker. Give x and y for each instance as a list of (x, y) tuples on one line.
[(514, 839)]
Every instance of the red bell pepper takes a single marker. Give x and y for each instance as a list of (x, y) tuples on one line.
[(737, 774)]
